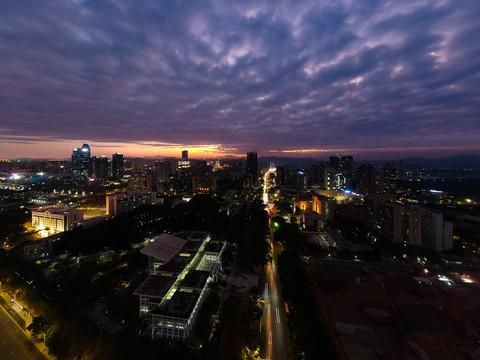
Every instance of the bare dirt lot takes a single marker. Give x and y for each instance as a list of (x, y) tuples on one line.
[(381, 312)]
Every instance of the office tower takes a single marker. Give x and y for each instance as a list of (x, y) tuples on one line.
[(81, 162), (184, 163), (366, 178), (437, 235), (388, 181), (346, 163), (252, 166), (302, 180), (283, 175), (162, 171), (335, 162), (118, 166), (100, 167), (317, 176)]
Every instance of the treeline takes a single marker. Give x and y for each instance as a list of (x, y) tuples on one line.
[(310, 339), (253, 249), (201, 213)]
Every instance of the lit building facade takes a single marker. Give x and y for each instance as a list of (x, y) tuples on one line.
[(55, 220), (81, 162)]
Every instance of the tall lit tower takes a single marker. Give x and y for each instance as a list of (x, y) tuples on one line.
[(81, 162)]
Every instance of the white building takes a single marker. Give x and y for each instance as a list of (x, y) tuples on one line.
[(437, 235), (54, 220), (180, 271)]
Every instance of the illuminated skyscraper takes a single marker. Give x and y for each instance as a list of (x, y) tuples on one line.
[(118, 166), (81, 162), (184, 163)]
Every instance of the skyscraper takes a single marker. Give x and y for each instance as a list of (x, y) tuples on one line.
[(252, 166), (118, 166), (335, 162), (366, 178), (81, 162), (184, 155), (388, 182), (100, 167)]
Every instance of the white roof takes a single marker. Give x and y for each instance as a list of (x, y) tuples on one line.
[(164, 247)]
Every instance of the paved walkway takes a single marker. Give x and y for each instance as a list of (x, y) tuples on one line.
[(23, 319)]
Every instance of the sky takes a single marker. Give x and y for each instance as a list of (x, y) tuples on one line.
[(383, 79)]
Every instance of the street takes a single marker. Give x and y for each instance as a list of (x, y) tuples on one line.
[(276, 331), (13, 342)]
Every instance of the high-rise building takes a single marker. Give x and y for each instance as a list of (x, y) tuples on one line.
[(334, 179), (388, 181), (184, 163), (335, 162), (437, 234), (302, 180), (283, 175), (252, 166), (346, 163), (81, 162), (366, 178), (317, 176), (100, 167), (118, 166), (162, 171)]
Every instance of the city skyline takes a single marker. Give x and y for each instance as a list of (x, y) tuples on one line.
[(382, 79)]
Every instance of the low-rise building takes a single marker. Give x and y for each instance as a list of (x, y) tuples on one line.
[(180, 271), (54, 220)]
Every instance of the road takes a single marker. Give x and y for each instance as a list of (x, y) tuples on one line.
[(13, 342), (277, 337)]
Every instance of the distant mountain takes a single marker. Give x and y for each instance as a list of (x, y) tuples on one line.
[(455, 162)]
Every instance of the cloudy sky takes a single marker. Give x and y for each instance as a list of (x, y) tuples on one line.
[(219, 77)]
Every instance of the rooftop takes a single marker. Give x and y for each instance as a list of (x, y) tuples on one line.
[(215, 247), (164, 247), (195, 279), (155, 285), (198, 235)]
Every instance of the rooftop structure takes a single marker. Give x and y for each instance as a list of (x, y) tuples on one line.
[(180, 270)]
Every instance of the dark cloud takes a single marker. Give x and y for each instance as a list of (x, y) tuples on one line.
[(252, 75)]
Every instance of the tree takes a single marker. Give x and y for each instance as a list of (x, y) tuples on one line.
[(53, 339), (39, 325)]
